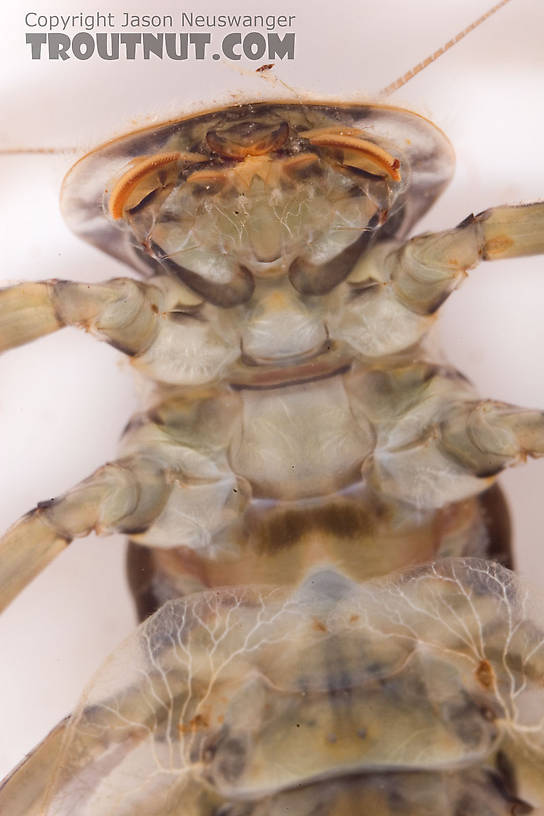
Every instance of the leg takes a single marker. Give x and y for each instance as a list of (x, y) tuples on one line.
[(24, 789), (143, 320), (458, 455), (165, 491), (446, 445), (393, 291), (122, 496), (426, 269), (121, 311)]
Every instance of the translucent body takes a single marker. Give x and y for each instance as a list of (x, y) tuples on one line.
[(419, 688), (301, 438)]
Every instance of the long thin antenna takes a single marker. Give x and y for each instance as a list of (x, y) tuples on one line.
[(398, 83), (14, 151)]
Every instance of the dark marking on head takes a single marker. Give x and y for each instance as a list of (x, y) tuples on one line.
[(319, 279), (225, 295)]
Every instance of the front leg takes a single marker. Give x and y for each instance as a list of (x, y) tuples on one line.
[(121, 311), (426, 269), (167, 331), (392, 295)]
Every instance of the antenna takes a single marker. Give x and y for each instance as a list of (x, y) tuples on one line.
[(398, 83), (14, 151)]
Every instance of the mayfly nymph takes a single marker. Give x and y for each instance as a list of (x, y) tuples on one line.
[(310, 498)]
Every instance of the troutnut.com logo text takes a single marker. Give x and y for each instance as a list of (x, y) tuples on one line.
[(185, 36)]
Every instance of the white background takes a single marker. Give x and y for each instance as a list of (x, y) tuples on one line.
[(65, 399)]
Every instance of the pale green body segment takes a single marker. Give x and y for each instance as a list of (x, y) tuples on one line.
[(412, 432)]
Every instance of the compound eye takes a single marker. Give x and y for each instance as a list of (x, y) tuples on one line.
[(347, 147), (247, 139), (147, 175)]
